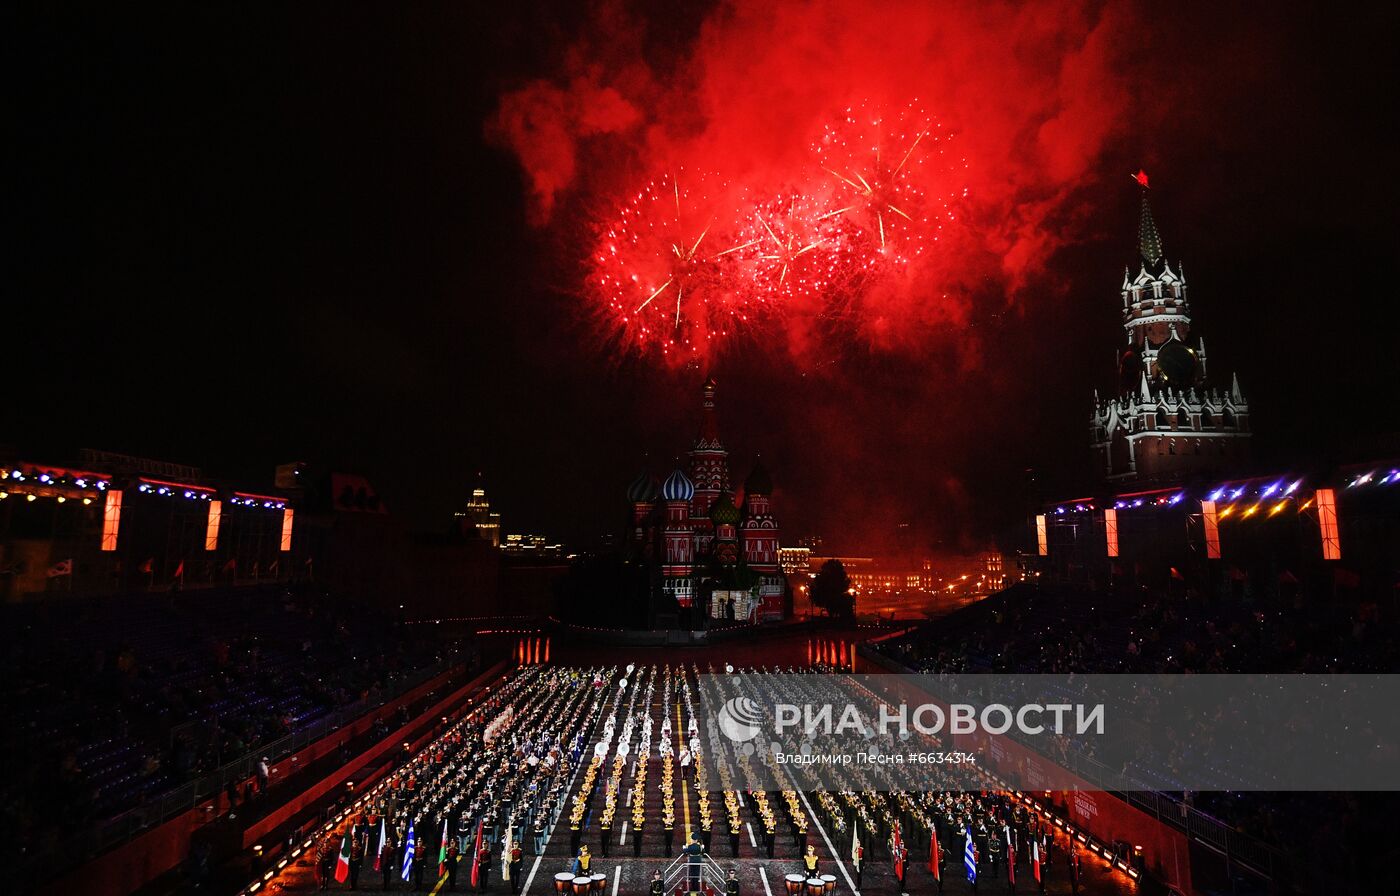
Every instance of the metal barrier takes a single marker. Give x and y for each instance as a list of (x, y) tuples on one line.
[(711, 874)]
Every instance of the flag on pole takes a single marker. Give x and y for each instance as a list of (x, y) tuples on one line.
[(935, 857), (476, 853), (408, 851), (149, 565), (1010, 860), (970, 858), (379, 853), (898, 854), (179, 571), (1035, 859), (508, 846), (855, 844), (442, 849), (342, 864)]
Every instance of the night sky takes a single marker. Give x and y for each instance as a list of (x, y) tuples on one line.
[(308, 232)]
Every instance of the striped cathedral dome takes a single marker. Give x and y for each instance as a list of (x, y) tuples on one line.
[(678, 487)]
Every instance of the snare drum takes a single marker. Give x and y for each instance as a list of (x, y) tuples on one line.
[(829, 883), (815, 887), (581, 885), (599, 881), (794, 884), (562, 882)]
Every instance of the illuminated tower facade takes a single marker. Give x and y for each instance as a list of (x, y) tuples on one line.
[(709, 469), (480, 517), (725, 517), (759, 535), (1165, 419), (678, 561)]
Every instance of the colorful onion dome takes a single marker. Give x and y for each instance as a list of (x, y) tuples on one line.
[(643, 489), (723, 512), (678, 487), (759, 482)]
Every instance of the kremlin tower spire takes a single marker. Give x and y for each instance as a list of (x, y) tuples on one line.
[(1149, 240), (1165, 419)]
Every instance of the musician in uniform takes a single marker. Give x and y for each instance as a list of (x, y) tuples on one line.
[(810, 862), (658, 888), (731, 884)]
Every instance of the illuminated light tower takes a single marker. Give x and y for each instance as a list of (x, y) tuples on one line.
[(678, 565), (709, 470), (1164, 419)]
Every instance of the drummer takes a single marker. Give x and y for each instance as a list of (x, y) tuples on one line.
[(582, 861), (811, 862)]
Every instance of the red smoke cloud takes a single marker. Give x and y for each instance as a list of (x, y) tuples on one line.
[(1027, 94)]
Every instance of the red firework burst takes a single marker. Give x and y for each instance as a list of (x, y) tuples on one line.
[(892, 178), (663, 271), (794, 252)]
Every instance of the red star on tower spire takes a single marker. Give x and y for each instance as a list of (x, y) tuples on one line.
[(1141, 178)]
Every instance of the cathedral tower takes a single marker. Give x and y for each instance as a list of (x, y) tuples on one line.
[(709, 470), (678, 566)]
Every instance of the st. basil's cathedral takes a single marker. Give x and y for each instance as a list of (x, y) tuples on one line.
[(704, 550)]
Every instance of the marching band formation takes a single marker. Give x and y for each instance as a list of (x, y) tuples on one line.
[(594, 746)]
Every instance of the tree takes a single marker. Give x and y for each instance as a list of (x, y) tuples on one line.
[(831, 590)]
